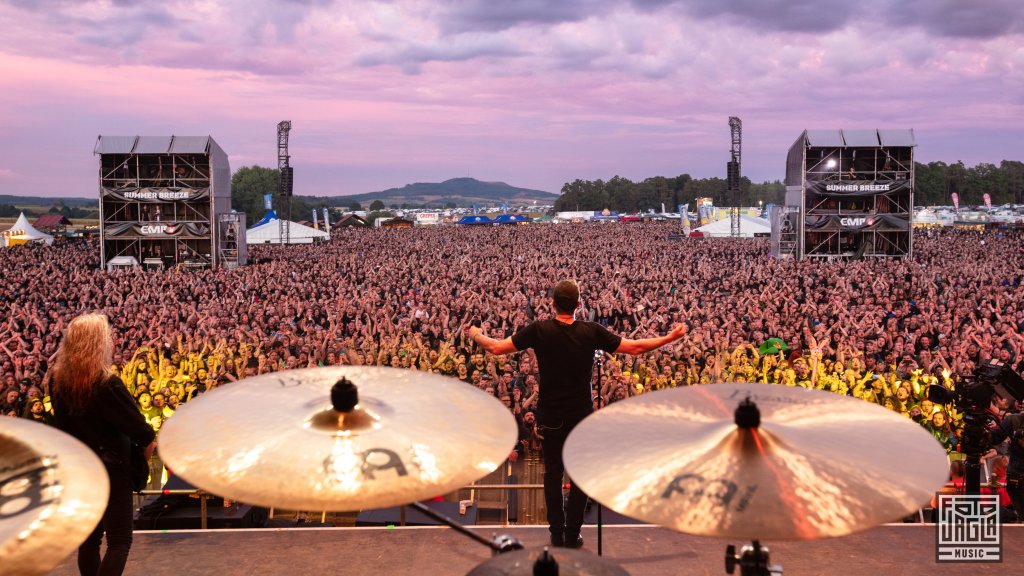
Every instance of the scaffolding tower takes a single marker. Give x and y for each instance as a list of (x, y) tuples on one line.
[(733, 174), (159, 198), (849, 194), (285, 179)]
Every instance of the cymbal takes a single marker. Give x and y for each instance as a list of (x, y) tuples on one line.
[(570, 563), (53, 492), (817, 465), (276, 439)]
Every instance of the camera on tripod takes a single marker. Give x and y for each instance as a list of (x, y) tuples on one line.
[(972, 397)]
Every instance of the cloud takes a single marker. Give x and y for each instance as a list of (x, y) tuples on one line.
[(412, 55), (959, 19), (488, 15), (939, 18), (788, 15)]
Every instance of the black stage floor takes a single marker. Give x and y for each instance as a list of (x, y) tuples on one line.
[(641, 550)]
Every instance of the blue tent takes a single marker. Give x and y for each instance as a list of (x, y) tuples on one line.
[(511, 219), (270, 215), (475, 220)]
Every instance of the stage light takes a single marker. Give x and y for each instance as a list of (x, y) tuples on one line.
[(831, 163)]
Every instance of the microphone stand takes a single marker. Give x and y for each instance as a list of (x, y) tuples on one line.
[(599, 366)]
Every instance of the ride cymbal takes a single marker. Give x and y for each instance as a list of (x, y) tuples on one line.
[(817, 464), (277, 439), (53, 492)]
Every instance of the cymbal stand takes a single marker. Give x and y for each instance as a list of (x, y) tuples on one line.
[(498, 545), (344, 399), (752, 560)]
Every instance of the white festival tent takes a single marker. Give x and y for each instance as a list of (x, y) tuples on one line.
[(749, 225), (22, 232), (273, 233)]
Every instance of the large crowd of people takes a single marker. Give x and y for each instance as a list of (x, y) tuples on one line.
[(880, 330)]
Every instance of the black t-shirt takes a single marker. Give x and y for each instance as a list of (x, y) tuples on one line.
[(109, 423), (565, 358)]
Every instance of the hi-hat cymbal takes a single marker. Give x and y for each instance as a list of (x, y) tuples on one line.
[(818, 464), (276, 440), (570, 563), (53, 492)]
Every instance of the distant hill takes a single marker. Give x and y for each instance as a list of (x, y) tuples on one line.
[(459, 191), (47, 201)]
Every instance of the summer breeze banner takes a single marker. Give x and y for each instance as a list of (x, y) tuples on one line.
[(854, 188), (156, 194)]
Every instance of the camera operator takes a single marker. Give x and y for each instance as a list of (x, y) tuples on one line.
[(1012, 427)]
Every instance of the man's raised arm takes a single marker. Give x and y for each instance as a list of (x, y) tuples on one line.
[(628, 346), (497, 347)]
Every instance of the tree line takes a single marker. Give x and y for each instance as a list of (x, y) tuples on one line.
[(934, 184), (623, 195)]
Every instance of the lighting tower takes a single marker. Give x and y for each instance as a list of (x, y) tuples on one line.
[(733, 174), (285, 185)]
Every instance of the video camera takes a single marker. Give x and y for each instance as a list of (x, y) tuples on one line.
[(975, 393), (972, 397)]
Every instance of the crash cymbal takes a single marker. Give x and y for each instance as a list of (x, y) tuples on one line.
[(817, 464), (53, 492), (570, 563), (277, 440)]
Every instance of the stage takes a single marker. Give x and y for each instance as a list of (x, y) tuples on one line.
[(904, 549)]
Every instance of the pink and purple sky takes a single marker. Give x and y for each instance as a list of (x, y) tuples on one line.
[(529, 92)]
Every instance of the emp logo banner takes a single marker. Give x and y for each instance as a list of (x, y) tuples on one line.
[(968, 529)]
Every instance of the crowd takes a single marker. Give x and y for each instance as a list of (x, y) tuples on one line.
[(880, 330)]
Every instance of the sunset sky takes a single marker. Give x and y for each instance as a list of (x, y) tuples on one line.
[(533, 93)]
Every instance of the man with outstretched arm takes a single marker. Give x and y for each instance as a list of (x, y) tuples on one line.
[(565, 356)]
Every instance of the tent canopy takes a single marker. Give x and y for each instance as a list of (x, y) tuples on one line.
[(269, 216), (512, 219), (272, 233), (475, 220), (52, 221), (749, 225), (22, 232)]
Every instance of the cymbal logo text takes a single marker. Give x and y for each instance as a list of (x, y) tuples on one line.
[(720, 493), (28, 490)]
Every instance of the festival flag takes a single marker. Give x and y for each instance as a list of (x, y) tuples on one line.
[(327, 220), (956, 202), (267, 201), (316, 223), (988, 200)]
